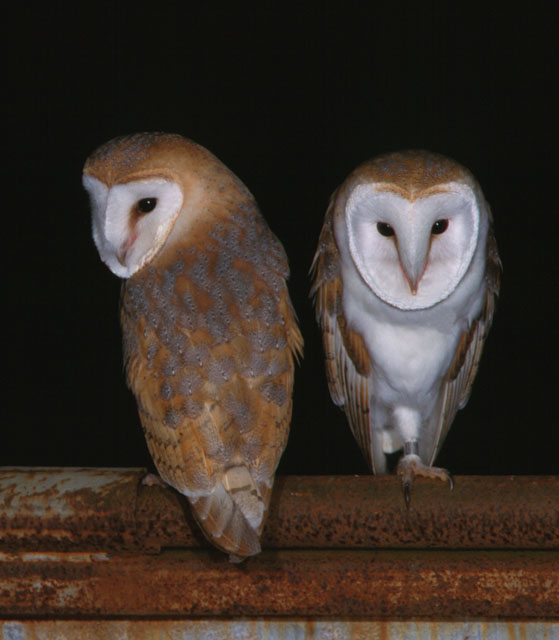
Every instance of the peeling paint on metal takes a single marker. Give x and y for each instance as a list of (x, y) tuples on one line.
[(277, 630), (50, 509), (51, 489), (37, 556)]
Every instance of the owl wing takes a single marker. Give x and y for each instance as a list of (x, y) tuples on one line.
[(346, 357), (210, 338), (251, 418), (463, 370)]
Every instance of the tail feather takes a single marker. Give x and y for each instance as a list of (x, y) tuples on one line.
[(233, 515)]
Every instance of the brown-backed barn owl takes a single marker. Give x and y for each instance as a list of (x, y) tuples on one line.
[(405, 279), (208, 328)]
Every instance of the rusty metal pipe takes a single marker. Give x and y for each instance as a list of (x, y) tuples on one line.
[(110, 509), (337, 584)]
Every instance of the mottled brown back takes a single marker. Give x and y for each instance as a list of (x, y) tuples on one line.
[(209, 339)]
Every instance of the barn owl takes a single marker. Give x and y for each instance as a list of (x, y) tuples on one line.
[(405, 279), (209, 331)]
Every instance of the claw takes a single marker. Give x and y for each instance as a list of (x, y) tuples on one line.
[(407, 493), (450, 481), (410, 465)]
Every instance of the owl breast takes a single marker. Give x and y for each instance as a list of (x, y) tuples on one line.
[(410, 351), (409, 362)]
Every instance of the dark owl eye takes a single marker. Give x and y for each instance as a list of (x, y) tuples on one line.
[(440, 226), (385, 229), (146, 205)]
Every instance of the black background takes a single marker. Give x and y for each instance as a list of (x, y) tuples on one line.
[(291, 101)]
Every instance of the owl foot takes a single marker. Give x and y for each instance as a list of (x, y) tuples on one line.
[(410, 466), (151, 480)]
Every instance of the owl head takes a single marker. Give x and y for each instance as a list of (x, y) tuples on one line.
[(146, 190), (412, 222)]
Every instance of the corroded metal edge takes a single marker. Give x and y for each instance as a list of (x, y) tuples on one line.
[(337, 584), (277, 629), (112, 509)]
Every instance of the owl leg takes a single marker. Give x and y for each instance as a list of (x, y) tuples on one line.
[(410, 466)]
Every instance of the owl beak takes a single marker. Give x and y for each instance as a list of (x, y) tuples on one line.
[(412, 283), (125, 247), (413, 260), (121, 255)]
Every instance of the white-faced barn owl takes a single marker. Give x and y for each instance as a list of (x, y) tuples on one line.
[(405, 279), (208, 328)]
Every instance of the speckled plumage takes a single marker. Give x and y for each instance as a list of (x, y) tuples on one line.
[(209, 339)]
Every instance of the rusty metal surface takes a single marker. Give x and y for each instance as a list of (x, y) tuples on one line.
[(45, 508), (369, 512), (338, 584), (110, 509), (98, 543), (276, 630)]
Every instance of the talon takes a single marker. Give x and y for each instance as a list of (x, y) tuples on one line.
[(407, 494), (410, 466)]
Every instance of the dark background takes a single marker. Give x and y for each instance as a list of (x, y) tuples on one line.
[(291, 101)]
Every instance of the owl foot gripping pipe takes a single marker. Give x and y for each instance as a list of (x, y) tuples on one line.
[(209, 332), (410, 466), (405, 279)]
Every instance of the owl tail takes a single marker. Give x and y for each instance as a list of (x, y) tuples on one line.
[(232, 517)]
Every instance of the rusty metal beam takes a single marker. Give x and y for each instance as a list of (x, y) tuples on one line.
[(339, 584), (110, 509), (96, 543)]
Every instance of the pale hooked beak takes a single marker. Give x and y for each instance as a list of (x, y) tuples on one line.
[(413, 253), (125, 247), (412, 282), (121, 255)]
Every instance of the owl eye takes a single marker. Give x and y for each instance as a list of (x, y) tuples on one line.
[(146, 205), (385, 229), (440, 226)]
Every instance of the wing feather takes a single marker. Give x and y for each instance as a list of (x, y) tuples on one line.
[(463, 369), (347, 361)]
